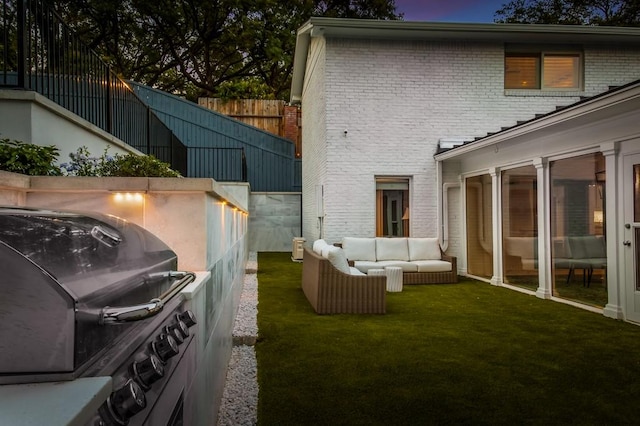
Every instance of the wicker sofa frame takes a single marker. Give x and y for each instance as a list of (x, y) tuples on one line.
[(434, 277), (331, 291)]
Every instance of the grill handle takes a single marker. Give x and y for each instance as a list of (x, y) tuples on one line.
[(185, 278), (122, 314)]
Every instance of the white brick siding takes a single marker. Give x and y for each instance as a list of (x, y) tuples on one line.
[(314, 151), (396, 100)]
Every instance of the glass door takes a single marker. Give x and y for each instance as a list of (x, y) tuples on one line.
[(631, 249), (392, 207)]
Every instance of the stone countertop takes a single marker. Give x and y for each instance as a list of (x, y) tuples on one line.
[(55, 403)]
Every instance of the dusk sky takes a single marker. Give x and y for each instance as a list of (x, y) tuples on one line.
[(449, 10)]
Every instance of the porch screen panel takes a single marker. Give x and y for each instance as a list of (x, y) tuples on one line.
[(479, 226), (520, 226), (578, 217)]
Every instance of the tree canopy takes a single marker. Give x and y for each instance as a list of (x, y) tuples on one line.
[(221, 48), (571, 12)]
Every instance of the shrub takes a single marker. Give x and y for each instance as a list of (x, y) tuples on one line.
[(28, 159), (132, 165), (128, 165)]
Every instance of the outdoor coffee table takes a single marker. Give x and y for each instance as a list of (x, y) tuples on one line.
[(394, 278)]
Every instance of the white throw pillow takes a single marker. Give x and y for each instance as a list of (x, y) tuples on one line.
[(424, 249), (359, 248), (338, 259), (356, 271), (392, 249), (318, 245)]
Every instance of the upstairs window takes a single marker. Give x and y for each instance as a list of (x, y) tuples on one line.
[(543, 71)]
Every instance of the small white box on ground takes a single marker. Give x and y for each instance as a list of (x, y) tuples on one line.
[(297, 249)]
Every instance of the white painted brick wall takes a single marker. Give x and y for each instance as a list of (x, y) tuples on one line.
[(314, 168), (397, 99)]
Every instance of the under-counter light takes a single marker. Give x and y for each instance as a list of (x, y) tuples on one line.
[(128, 197)]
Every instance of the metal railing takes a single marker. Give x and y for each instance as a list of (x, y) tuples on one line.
[(41, 53), (222, 164)]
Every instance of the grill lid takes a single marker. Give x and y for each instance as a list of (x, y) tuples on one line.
[(84, 252), (66, 276)]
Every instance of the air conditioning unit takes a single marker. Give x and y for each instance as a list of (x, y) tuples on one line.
[(297, 249)]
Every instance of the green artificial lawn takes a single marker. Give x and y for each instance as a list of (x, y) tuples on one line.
[(460, 354)]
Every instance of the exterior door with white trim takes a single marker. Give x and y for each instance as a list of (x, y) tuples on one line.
[(631, 242)]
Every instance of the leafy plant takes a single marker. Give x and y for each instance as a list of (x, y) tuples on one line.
[(128, 165), (28, 159), (132, 165)]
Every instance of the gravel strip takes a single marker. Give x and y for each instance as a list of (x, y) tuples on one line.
[(239, 405)]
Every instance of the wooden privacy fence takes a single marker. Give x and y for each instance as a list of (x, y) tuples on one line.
[(264, 114), (273, 116)]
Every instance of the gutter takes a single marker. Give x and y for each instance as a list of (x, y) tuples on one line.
[(303, 40)]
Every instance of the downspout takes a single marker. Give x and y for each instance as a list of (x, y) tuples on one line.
[(443, 210), (445, 213)]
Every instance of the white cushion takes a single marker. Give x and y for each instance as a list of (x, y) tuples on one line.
[(325, 250), (406, 266), (359, 248), (433, 265), (424, 249), (365, 265), (356, 271), (392, 249), (318, 245), (338, 259)]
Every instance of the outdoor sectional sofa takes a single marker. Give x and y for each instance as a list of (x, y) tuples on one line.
[(421, 259), (333, 287), (335, 280)]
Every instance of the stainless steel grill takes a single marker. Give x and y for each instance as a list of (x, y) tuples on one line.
[(85, 294)]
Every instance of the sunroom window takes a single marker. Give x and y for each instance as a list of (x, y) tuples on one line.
[(542, 70)]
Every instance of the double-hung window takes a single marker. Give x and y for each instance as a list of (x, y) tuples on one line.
[(543, 70)]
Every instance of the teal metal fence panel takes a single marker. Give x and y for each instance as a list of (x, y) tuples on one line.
[(211, 139)]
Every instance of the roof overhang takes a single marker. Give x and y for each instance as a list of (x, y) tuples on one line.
[(444, 31), (611, 104)]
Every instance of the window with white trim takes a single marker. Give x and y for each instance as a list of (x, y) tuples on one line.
[(543, 70)]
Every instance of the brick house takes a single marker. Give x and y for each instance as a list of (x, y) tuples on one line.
[(398, 120)]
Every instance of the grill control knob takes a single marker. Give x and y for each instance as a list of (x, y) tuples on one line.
[(175, 333), (148, 371), (187, 317), (165, 347), (126, 402), (180, 328)]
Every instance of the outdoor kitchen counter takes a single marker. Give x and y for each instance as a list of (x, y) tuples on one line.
[(66, 403), (59, 403)]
